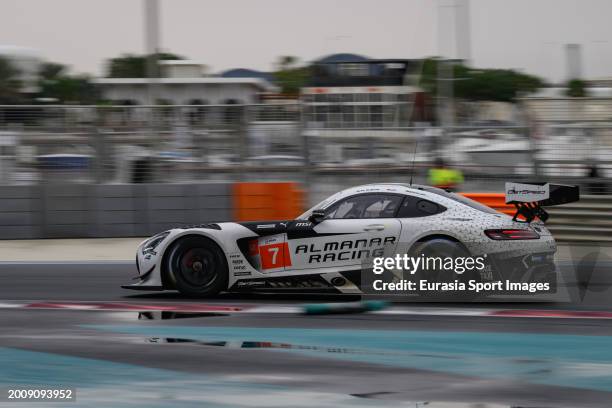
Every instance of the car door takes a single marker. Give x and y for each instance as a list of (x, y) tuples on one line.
[(354, 229)]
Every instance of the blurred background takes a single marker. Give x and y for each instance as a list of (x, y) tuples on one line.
[(86, 154), (120, 119)]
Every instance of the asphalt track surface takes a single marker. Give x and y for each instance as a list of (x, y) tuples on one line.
[(225, 359)]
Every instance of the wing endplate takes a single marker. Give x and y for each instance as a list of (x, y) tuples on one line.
[(529, 198)]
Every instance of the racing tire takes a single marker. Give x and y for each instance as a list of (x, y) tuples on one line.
[(198, 266), (442, 247)]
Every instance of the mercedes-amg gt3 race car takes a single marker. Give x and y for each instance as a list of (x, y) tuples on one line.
[(327, 247)]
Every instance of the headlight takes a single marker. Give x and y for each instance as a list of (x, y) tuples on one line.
[(153, 242)]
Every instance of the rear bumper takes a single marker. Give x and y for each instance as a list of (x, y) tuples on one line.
[(535, 267)]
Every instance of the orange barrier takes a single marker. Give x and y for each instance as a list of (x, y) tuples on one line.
[(497, 201), (285, 201), (267, 201)]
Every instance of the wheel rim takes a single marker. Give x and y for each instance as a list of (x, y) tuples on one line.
[(198, 267), (444, 251)]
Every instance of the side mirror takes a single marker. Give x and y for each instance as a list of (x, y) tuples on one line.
[(316, 216)]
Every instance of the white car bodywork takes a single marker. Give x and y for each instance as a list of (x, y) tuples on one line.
[(257, 252)]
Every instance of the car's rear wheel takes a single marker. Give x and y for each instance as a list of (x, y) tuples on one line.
[(198, 266), (444, 248)]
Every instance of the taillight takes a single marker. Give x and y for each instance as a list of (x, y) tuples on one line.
[(511, 234)]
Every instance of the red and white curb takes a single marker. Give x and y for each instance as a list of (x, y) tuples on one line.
[(134, 307), (291, 309)]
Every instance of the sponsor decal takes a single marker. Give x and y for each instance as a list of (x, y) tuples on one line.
[(239, 265), (265, 226), (250, 284), (271, 239), (368, 190), (244, 273), (346, 250), (526, 192)]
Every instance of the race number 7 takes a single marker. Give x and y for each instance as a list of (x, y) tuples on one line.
[(274, 256), (274, 251)]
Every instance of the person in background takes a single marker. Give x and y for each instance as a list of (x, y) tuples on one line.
[(444, 177)]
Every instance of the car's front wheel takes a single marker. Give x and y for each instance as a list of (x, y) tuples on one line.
[(198, 266)]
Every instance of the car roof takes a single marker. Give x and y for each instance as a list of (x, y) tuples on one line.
[(420, 187), (435, 194), (403, 188), (431, 193)]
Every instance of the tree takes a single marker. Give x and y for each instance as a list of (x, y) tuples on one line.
[(70, 89), (10, 84), (429, 75), (496, 85), (134, 66), (51, 70), (481, 84), (576, 88), (286, 61), (289, 76), (56, 83)]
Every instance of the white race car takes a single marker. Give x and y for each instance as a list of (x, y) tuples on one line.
[(326, 248)]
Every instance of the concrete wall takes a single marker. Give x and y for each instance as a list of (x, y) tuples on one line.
[(123, 210), (137, 210), (20, 212), (183, 94)]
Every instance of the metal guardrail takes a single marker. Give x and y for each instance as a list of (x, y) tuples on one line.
[(588, 220)]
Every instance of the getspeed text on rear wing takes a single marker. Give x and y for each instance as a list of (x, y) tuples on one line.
[(529, 198)]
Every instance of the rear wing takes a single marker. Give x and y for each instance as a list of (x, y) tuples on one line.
[(529, 198)]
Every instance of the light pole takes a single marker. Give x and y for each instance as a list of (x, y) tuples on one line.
[(151, 14), (458, 20), (444, 70)]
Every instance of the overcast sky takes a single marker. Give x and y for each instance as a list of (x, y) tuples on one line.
[(524, 34)]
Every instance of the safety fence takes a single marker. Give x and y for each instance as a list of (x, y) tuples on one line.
[(125, 210), (265, 142), (588, 220)]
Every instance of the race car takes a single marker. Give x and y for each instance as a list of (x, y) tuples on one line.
[(328, 247)]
